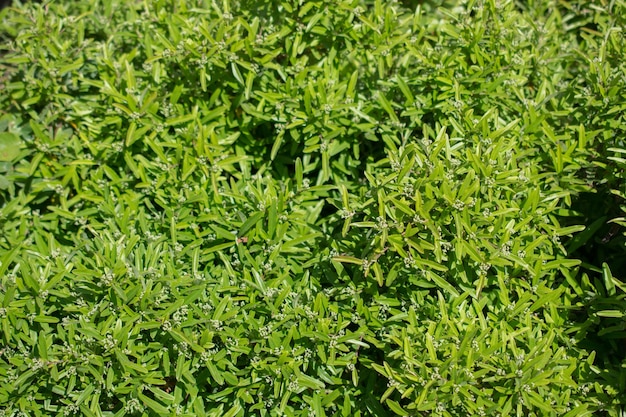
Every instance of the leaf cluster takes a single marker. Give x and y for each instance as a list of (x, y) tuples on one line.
[(324, 208)]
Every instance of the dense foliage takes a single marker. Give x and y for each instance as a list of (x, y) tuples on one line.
[(320, 208)]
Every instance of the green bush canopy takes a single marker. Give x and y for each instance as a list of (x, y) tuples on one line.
[(313, 208)]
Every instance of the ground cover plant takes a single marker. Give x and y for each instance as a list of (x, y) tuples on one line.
[(321, 208)]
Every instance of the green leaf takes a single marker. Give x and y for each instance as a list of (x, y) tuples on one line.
[(4, 182), (545, 299), (9, 146), (276, 146), (348, 259), (607, 276), (250, 223), (396, 408), (153, 405), (42, 346), (442, 283), (310, 382), (180, 119), (233, 411), (406, 91), (611, 313), (570, 230)]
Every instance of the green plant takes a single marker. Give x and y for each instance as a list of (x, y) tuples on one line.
[(310, 208)]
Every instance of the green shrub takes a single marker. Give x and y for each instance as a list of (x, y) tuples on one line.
[(311, 208)]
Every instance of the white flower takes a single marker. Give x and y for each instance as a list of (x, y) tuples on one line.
[(133, 406), (382, 223), (265, 331), (293, 385), (458, 205), (347, 214)]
